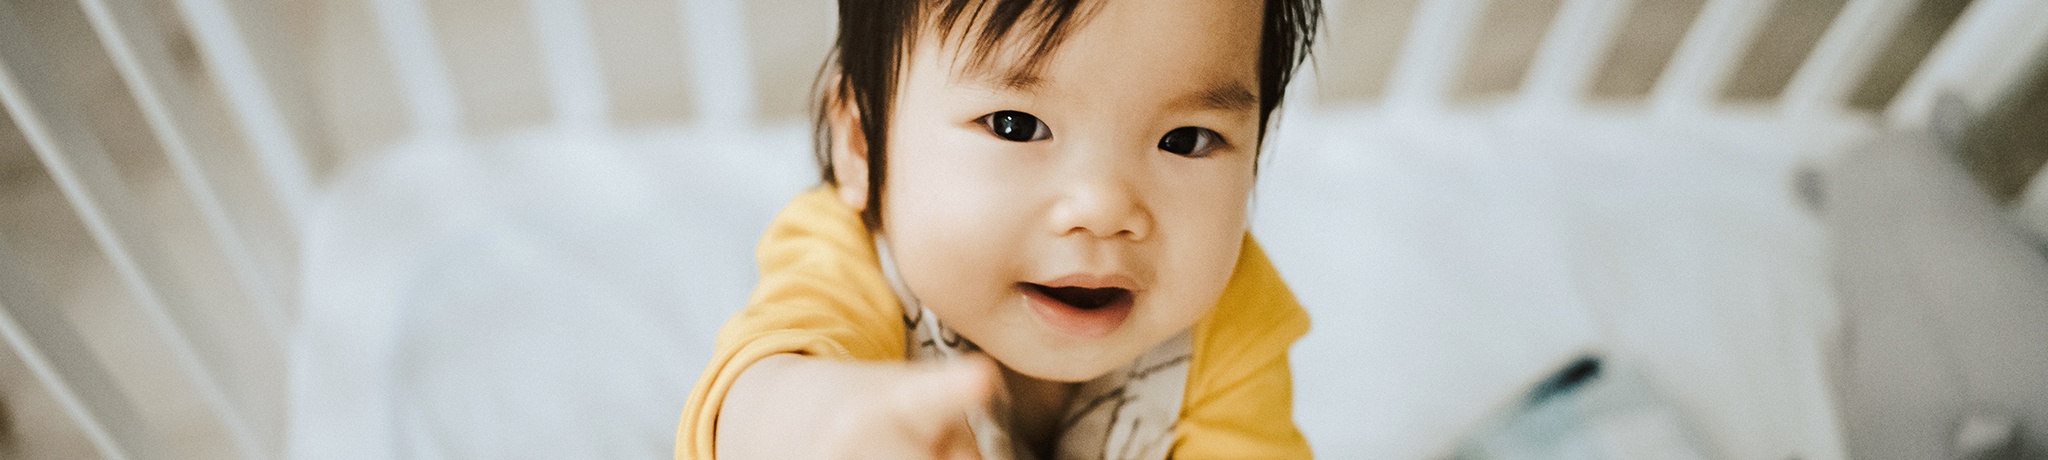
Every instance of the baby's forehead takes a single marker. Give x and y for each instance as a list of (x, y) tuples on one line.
[(1009, 43), (1002, 43), (1200, 53)]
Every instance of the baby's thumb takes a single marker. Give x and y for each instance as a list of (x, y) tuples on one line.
[(917, 411), (935, 405), (945, 392)]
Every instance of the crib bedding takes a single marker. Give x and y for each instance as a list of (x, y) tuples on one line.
[(544, 296)]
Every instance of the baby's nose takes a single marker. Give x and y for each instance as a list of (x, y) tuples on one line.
[(1102, 202)]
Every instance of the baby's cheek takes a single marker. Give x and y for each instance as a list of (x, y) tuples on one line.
[(1198, 270), (955, 258)]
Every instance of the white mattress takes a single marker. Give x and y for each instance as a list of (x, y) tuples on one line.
[(554, 296)]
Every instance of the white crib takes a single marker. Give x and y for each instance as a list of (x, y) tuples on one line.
[(282, 341)]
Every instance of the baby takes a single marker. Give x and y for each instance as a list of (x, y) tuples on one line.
[(1032, 243)]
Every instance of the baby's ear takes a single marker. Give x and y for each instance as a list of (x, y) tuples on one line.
[(849, 152)]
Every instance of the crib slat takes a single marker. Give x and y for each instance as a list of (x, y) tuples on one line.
[(253, 99), (575, 83), (718, 51), (127, 31), (1572, 49), (1713, 47), (60, 359), (1844, 54), (1985, 53), (408, 39), (87, 178), (1433, 53)]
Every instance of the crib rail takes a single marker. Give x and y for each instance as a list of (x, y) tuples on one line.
[(1990, 47), (1843, 55), (86, 175), (256, 81), (35, 328), (1571, 53), (1708, 56)]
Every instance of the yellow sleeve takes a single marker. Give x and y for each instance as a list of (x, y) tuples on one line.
[(821, 294), (1240, 397)]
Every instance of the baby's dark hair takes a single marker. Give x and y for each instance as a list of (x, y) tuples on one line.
[(875, 37)]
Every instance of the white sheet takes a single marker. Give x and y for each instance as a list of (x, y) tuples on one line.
[(541, 297)]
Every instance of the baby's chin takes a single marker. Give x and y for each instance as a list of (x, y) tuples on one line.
[(1063, 372), (1060, 366)]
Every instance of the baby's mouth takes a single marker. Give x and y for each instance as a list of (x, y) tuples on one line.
[(1085, 312), (1085, 299)]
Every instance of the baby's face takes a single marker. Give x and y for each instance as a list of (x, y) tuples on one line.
[(1070, 222)]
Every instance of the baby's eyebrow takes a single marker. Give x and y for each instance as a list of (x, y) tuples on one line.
[(1230, 97), (1009, 81)]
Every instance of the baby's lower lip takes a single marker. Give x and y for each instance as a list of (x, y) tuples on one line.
[(1093, 324)]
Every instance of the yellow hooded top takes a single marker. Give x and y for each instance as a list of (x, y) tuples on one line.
[(822, 294)]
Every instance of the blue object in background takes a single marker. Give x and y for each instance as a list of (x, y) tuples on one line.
[(1587, 409)]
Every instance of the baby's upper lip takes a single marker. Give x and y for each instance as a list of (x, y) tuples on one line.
[(1091, 281)]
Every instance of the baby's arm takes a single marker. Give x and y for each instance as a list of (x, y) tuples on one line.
[(792, 406)]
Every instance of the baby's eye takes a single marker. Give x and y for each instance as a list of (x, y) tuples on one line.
[(1016, 126), (1189, 141)]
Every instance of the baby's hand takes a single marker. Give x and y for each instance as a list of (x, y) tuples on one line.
[(914, 412), (792, 406)]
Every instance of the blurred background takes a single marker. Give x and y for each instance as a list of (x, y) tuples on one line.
[(1742, 229)]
